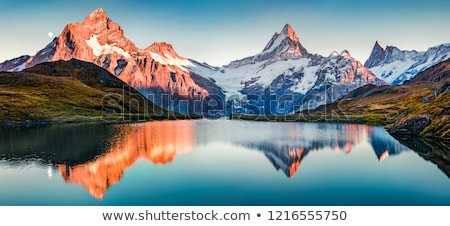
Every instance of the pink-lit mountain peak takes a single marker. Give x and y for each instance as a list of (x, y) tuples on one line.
[(164, 49), (97, 25), (290, 33), (97, 15), (284, 44)]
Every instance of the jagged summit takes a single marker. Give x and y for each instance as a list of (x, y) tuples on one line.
[(97, 15), (286, 44), (377, 55), (290, 33), (379, 45), (287, 31)]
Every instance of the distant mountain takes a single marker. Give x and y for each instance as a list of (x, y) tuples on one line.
[(71, 91), (157, 71), (396, 66), (276, 80)]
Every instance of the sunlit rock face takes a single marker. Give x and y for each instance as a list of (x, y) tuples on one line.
[(156, 142)]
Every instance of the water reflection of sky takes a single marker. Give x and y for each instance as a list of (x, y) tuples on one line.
[(223, 163)]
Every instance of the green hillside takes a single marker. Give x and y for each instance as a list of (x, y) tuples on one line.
[(73, 91)]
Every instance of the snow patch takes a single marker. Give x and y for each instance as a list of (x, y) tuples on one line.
[(308, 81), (232, 80), (169, 60), (21, 67), (279, 38), (390, 72), (99, 50)]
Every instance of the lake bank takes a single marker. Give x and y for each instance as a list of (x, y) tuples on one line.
[(411, 127)]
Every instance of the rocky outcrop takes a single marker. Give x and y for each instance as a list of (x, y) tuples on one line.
[(413, 126)]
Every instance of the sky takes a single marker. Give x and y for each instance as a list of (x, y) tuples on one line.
[(218, 32)]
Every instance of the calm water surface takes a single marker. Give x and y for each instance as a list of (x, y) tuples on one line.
[(220, 162)]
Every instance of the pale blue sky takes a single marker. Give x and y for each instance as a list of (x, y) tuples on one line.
[(221, 31)]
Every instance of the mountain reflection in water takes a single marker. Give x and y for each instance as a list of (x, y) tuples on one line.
[(96, 156), (158, 142), (287, 155)]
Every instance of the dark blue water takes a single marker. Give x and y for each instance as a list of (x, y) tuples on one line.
[(220, 162)]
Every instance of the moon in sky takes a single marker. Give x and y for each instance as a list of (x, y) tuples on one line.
[(50, 34)]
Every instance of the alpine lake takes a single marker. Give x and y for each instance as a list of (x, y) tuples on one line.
[(220, 162)]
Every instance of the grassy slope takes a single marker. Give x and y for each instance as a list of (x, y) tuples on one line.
[(72, 91), (394, 105)]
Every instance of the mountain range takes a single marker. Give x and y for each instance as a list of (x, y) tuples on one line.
[(396, 66), (282, 79), (285, 77)]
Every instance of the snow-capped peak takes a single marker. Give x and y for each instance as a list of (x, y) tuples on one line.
[(279, 37), (283, 45)]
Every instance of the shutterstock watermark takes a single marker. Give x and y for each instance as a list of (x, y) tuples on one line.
[(133, 106)]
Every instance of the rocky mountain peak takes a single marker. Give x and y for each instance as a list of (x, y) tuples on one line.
[(106, 31), (284, 45), (163, 49), (377, 55), (96, 16), (380, 45), (290, 33)]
